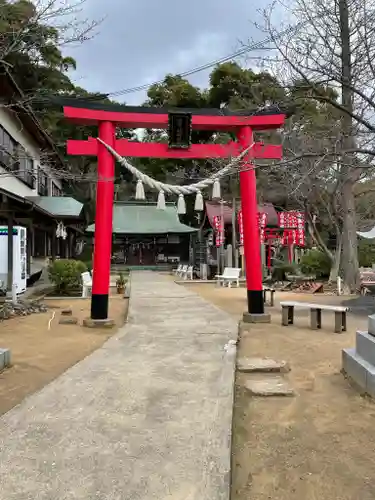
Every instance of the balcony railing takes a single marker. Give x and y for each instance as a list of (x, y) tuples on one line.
[(27, 177), (6, 160), (42, 189)]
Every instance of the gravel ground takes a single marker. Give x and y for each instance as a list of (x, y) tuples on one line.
[(319, 444)]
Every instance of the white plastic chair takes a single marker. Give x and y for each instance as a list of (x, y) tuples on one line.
[(86, 284), (188, 273), (229, 276), (183, 270), (178, 270)]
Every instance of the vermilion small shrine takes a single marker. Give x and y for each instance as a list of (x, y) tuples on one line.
[(287, 230), (179, 123)]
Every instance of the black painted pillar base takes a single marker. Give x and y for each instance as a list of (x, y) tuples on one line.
[(255, 308), (99, 306), (255, 301)]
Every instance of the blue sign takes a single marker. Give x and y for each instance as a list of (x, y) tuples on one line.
[(4, 232)]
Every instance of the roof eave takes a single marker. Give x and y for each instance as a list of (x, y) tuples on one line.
[(26, 110), (26, 201), (35, 199)]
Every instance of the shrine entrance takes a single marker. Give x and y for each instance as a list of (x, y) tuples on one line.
[(179, 123)]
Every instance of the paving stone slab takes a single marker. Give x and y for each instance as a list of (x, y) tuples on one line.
[(270, 386), (68, 320), (259, 365)]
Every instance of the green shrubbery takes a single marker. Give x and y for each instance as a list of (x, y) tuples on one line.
[(366, 252), (316, 263), (65, 275), (281, 269), (88, 264), (86, 254)]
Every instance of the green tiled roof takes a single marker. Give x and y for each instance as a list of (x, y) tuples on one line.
[(59, 206), (136, 218)]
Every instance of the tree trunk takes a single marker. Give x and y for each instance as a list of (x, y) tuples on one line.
[(349, 174), (334, 273), (317, 239), (350, 240)]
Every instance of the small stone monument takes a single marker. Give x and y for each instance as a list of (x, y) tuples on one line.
[(67, 317), (358, 363)]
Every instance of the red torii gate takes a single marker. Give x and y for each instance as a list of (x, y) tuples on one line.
[(107, 117)]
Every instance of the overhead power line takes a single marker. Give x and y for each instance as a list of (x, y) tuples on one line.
[(248, 48)]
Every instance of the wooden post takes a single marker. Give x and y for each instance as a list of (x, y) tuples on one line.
[(71, 244), (53, 246), (32, 241), (222, 256), (29, 248), (243, 267), (66, 245), (234, 232), (264, 259), (10, 255)]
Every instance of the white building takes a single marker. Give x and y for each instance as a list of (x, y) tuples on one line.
[(31, 194)]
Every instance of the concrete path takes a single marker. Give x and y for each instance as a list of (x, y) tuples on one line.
[(147, 416)]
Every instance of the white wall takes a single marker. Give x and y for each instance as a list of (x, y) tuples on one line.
[(15, 129)]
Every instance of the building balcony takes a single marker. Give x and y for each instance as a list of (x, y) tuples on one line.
[(28, 178), (43, 190)]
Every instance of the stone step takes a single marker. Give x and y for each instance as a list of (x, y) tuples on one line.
[(270, 386), (359, 371), (5, 359), (365, 346), (262, 365)]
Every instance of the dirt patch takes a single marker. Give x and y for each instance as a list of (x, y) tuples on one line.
[(40, 354), (317, 445)]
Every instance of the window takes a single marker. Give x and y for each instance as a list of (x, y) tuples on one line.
[(8, 147), (42, 183), (56, 191), (25, 168), (14, 158)]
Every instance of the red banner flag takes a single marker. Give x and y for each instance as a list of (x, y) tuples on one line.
[(219, 230), (262, 223)]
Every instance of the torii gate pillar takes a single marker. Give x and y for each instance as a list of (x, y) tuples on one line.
[(103, 223), (251, 237)]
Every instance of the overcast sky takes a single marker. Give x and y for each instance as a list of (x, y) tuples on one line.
[(140, 41)]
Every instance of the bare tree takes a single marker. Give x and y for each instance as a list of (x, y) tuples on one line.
[(308, 182), (334, 48)]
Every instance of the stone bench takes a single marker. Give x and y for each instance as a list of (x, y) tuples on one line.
[(287, 314), (271, 292)]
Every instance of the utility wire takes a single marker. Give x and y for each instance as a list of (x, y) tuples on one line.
[(248, 48)]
